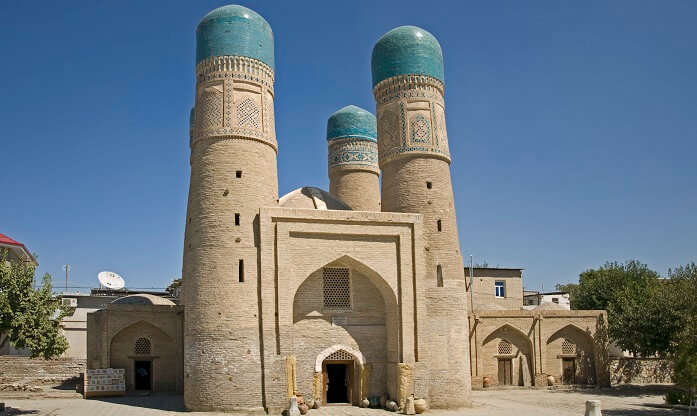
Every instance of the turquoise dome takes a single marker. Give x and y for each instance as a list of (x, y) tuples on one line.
[(407, 50), (352, 121), (237, 31)]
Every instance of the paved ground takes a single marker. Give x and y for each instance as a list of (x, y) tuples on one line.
[(629, 401)]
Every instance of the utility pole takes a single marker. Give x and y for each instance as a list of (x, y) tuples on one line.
[(67, 269), (471, 284)]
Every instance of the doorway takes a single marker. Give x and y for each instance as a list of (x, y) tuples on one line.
[(505, 371), (338, 381), (568, 366), (143, 375)]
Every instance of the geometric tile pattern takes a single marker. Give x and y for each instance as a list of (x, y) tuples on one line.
[(336, 287), (143, 346), (505, 348), (568, 347), (248, 114), (420, 129)]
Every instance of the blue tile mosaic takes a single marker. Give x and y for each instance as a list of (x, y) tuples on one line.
[(352, 121), (407, 50), (236, 31)]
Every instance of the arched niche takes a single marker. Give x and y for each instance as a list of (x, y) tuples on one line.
[(583, 355), (163, 356), (369, 330), (512, 365)]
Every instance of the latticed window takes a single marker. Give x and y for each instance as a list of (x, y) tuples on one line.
[(568, 347), (340, 355), (505, 348), (336, 286), (143, 346)]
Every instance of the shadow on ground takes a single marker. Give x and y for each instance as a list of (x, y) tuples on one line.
[(168, 402), (648, 411), (11, 411), (625, 390)]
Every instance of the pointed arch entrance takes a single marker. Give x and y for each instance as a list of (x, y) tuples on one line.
[(510, 350), (341, 371), (570, 354), (348, 317)]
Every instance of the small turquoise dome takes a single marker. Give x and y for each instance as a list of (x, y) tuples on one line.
[(407, 50), (237, 31), (352, 121)]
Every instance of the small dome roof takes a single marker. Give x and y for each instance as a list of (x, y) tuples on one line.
[(352, 121), (142, 299), (234, 30), (407, 50), (309, 197)]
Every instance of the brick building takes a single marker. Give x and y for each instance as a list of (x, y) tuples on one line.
[(343, 295)]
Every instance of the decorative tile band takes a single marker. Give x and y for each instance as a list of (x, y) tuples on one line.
[(238, 67), (411, 120), (234, 98), (353, 153), (407, 86)]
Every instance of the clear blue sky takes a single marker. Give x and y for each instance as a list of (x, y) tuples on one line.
[(573, 125)]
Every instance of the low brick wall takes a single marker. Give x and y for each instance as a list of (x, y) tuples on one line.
[(640, 371), (62, 371)]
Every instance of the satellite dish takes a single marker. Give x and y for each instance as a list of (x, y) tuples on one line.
[(111, 280)]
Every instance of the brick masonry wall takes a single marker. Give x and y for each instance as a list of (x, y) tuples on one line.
[(640, 371), (38, 371), (359, 189)]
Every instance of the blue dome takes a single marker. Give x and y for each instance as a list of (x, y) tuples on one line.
[(352, 121), (407, 50), (237, 31)]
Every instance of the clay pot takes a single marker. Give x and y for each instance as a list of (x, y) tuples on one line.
[(391, 406), (303, 409), (310, 403), (420, 405), (365, 403), (301, 399), (486, 382), (550, 380)]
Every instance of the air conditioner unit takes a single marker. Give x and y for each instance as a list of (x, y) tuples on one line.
[(72, 302)]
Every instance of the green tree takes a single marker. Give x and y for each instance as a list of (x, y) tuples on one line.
[(647, 319), (684, 282), (29, 317), (597, 289)]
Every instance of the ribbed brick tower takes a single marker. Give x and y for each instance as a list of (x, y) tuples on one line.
[(353, 158), (233, 174), (407, 67)]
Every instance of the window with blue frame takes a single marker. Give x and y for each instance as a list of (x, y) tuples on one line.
[(500, 289)]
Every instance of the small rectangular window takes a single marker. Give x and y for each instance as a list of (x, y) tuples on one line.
[(241, 271), (237, 219), (238, 174), (555, 300), (429, 185), (500, 289), (440, 226)]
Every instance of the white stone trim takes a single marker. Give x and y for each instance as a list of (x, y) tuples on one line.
[(334, 348)]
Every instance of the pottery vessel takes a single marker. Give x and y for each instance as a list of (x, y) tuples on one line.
[(420, 405)]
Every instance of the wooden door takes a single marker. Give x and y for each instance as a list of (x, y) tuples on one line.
[(568, 366), (505, 371)]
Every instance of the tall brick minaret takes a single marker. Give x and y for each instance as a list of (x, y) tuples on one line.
[(408, 85), (233, 174)]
